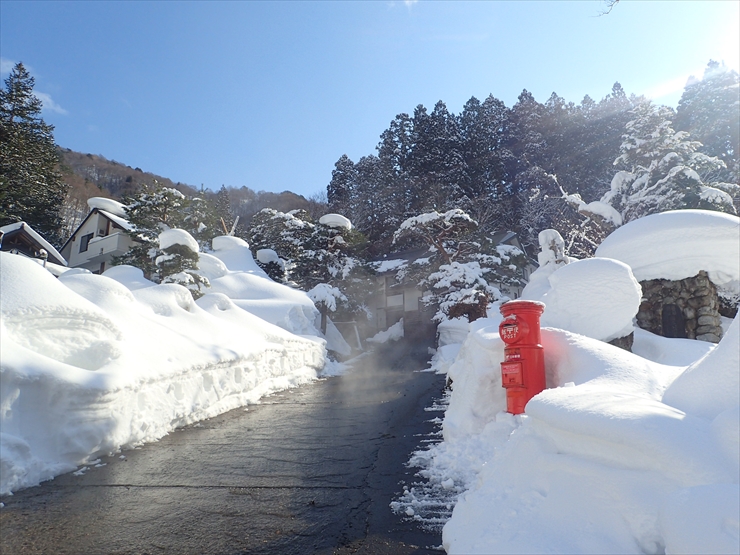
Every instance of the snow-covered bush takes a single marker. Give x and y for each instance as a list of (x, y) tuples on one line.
[(178, 262), (461, 267)]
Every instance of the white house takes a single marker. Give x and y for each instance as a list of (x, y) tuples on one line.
[(100, 237)]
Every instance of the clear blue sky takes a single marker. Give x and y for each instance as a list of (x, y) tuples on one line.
[(270, 94)]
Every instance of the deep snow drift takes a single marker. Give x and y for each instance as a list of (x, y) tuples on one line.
[(92, 364), (624, 452), (619, 456)]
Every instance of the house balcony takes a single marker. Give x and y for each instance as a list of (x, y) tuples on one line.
[(103, 249)]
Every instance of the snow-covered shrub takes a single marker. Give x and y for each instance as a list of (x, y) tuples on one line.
[(462, 267), (179, 261)]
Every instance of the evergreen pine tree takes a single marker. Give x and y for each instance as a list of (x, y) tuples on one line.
[(661, 169), (709, 111), (340, 190), (31, 188), (178, 261), (223, 209), (199, 218), (151, 212)]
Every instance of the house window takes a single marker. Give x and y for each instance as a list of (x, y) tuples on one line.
[(84, 241)]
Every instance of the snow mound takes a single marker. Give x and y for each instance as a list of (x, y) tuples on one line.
[(211, 267), (677, 245), (228, 242), (130, 276), (596, 297), (278, 304), (394, 333), (335, 220), (173, 237), (235, 254), (265, 256), (710, 385), (107, 204), (41, 315)]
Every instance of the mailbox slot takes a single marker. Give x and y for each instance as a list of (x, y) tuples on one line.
[(511, 374)]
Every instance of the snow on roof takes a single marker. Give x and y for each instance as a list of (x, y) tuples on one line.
[(6, 229), (107, 204), (335, 220), (677, 245), (124, 223), (389, 265), (172, 237)]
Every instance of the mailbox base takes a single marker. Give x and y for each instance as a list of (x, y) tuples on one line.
[(516, 400)]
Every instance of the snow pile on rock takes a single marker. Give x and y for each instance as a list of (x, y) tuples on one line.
[(172, 237), (596, 297), (92, 364)]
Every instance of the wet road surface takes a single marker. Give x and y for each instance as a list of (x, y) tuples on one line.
[(310, 470)]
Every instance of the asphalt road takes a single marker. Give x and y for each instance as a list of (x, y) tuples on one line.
[(310, 470)]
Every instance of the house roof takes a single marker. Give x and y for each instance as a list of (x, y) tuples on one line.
[(23, 228), (395, 260)]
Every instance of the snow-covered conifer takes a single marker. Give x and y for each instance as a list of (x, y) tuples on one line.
[(660, 169), (178, 262)]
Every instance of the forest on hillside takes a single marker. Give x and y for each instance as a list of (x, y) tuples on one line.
[(520, 168), (513, 168)]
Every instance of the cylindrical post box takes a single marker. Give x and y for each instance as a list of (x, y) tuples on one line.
[(523, 369)]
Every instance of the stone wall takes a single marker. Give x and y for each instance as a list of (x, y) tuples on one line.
[(684, 308)]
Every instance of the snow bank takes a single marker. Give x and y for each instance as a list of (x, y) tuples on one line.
[(712, 384), (130, 276), (677, 245), (232, 271), (599, 463), (90, 366)]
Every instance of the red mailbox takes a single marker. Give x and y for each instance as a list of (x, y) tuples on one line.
[(523, 369)]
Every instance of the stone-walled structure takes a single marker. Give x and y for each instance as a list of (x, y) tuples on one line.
[(684, 308)]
